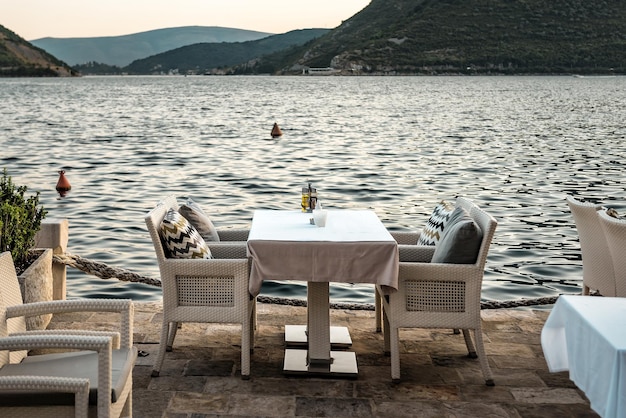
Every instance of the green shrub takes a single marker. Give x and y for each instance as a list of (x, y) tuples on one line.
[(20, 219)]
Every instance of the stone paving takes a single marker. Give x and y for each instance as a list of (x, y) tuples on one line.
[(201, 376)]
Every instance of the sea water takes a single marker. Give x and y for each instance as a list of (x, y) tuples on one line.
[(396, 145)]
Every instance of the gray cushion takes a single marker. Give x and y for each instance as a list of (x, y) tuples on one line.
[(73, 364), (460, 241), (199, 220), (436, 224)]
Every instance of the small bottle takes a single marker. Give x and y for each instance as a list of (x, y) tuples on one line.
[(305, 199), (313, 199)]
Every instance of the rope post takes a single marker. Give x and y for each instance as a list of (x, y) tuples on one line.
[(54, 233)]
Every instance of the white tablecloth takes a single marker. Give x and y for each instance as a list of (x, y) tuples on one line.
[(353, 247), (587, 336)]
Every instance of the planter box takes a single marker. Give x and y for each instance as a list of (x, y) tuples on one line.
[(36, 286)]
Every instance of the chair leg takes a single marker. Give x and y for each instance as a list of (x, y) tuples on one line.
[(386, 331), (158, 362), (482, 358), (254, 316), (251, 341), (252, 329), (377, 309), (471, 351), (171, 334), (127, 411), (395, 353), (245, 348)]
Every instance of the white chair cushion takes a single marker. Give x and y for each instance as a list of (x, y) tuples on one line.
[(434, 228), (460, 241), (199, 220), (180, 239), (72, 364)]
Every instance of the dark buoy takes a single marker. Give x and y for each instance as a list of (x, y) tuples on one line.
[(63, 185), (276, 132)]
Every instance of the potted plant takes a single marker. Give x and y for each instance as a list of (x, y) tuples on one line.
[(20, 220)]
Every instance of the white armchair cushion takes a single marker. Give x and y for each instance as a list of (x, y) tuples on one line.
[(460, 241), (434, 228), (80, 364), (180, 239), (199, 220)]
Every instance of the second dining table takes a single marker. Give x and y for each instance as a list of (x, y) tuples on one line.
[(587, 336), (353, 247)]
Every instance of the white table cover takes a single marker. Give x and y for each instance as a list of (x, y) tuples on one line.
[(587, 336), (353, 247)]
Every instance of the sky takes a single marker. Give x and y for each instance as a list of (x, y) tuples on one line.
[(34, 19)]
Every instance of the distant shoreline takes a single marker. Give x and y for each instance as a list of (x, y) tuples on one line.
[(446, 74)]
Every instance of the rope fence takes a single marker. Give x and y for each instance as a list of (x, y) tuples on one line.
[(102, 270), (105, 271)]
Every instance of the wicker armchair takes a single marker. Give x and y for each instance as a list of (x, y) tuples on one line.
[(203, 290), (615, 233), (95, 381), (597, 264), (437, 295), (409, 251)]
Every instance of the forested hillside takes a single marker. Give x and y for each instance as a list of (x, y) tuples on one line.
[(19, 58), (471, 36), (210, 57)]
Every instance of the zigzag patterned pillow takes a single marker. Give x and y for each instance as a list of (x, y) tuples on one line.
[(433, 230), (180, 239)]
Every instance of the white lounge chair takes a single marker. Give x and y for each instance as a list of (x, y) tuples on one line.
[(615, 233), (94, 381), (597, 263)]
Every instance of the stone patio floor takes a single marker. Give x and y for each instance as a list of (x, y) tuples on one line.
[(201, 376)]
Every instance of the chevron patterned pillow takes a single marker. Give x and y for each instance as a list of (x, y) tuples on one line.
[(180, 239), (433, 230)]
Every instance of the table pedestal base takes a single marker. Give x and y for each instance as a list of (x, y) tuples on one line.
[(343, 364), (296, 336), (318, 358)]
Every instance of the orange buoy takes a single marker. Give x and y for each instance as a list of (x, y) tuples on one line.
[(63, 185), (276, 132)]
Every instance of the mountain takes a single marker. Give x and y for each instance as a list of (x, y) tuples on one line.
[(470, 36), (19, 58), (206, 57), (393, 37), (122, 50)]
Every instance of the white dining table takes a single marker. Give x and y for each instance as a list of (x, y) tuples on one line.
[(587, 336), (353, 247)]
